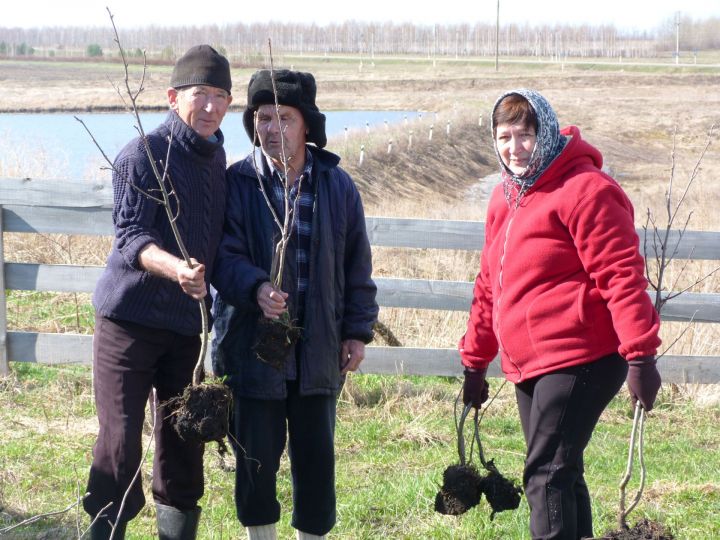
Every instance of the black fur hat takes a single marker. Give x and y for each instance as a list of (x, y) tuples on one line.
[(202, 65), (294, 89)]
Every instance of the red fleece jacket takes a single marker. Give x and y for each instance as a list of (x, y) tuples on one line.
[(561, 278)]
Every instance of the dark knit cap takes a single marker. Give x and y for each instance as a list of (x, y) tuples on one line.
[(202, 65), (294, 89)]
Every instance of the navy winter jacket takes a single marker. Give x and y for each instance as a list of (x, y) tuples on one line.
[(340, 299)]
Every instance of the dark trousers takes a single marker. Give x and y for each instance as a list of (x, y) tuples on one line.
[(128, 361), (261, 428), (559, 412)]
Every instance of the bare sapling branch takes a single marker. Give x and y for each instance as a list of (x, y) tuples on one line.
[(154, 410), (638, 431), (664, 255), (285, 226), (167, 197), (38, 517), (279, 258)]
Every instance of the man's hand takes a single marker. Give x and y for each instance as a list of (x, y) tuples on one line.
[(351, 354), (271, 301), (160, 263), (192, 280)]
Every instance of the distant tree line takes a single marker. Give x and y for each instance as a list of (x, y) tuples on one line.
[(248, 41)]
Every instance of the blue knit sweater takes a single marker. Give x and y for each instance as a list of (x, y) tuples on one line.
[(197, 172)]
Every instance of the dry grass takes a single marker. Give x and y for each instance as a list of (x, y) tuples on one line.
[(444, 172), (630, 116), (394, 435)]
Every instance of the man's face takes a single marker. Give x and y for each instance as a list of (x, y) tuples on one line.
[(287, 134), (200, 107)]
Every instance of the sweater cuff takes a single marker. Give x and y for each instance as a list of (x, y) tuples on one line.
[(131, 251)]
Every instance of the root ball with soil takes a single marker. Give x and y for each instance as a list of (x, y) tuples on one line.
[(275, 338), (201, 413), (644, 530), (460, 490), (463, 486), (500, 492)]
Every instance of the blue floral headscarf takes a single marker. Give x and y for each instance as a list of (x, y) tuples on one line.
[(548, 145)]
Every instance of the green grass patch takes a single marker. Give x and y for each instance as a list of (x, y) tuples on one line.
[(395, 436), (50, 312)]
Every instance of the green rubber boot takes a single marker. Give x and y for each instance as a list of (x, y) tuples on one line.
[(175, 524)]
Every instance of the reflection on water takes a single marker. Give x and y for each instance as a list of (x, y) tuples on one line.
[(57, 146)]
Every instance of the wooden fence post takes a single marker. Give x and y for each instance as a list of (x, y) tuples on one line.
[(4, 367)]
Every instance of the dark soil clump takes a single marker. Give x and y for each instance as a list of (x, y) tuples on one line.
[(202, 412), (460, 490), (500, 492), (643, 530), (274, 340)]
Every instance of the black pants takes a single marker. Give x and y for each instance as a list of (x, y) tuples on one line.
[(128, 361), (261, 427), (559, 412)]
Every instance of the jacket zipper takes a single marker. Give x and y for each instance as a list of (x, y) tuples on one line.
[(513, 209)]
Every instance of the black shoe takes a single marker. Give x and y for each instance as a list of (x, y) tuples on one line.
[(175, 524)]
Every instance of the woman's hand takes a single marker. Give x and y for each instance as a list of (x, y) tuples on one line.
[(643, 380), (475, 387)]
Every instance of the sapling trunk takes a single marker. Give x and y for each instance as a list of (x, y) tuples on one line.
[(201, 412), (664, 255), (275, 337)]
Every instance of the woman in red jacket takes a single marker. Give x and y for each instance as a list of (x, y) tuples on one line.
[(561, 296)]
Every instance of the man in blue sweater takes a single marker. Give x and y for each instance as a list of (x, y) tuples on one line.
[(147, 315), (327, 288)]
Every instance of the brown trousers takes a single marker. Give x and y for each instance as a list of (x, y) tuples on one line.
[(128, 361)]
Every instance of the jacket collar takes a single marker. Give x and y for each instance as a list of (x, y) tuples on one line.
[(322, 161)]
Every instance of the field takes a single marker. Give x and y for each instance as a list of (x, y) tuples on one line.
[(395, 435)]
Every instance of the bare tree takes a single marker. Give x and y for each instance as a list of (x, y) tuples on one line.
[(665, 251)]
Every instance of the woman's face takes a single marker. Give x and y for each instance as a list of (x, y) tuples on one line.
[(515, 144)]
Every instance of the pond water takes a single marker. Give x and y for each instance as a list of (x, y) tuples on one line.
[(55, 145)]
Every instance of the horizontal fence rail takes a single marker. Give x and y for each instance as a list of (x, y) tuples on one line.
[(392, 292), (84, 208), (382, 231), (54, 349)]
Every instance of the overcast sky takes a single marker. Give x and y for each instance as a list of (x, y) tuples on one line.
[(624, 14)]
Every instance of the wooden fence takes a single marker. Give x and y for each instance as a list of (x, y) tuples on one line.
[(84, 208)]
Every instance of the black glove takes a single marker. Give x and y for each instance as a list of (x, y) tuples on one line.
[(475, 387), (643, 380)]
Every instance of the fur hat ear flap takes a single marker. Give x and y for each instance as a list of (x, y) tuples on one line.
[(309, 88)]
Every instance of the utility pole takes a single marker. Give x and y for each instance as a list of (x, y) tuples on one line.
[(677, 37), (497, 36)]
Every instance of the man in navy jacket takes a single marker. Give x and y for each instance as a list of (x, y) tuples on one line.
[(327, 288)]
